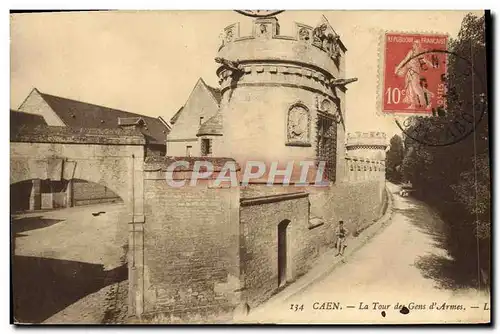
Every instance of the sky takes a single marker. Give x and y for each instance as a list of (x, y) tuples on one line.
[(148, 62)]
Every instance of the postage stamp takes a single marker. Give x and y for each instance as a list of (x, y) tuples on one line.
[(413, 72)]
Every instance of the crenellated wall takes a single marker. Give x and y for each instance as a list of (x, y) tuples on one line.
[(267, 43), (370, 145), (359, 169), (263, 89)]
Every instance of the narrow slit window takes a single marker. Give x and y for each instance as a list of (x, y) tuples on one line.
[(206, 147)]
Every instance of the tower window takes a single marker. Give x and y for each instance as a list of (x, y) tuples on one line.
[(206, 147), (188, 150), (326, 144)]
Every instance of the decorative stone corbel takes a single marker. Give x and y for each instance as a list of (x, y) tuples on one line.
[(234, 70), (341, 82), (233, 66)]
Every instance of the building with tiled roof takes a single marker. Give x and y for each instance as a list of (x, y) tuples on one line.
[(210, 134), (60, 111), (23, 119), (194, 122), (176, 115)]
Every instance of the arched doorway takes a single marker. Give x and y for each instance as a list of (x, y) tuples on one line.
[(283, 252)]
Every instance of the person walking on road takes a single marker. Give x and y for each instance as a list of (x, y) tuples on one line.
[(341, 233)]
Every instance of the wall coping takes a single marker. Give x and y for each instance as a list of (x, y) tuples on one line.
[(70, 135), (371, 139), (160, 163), (357, 146), (364, 159), (249, 201)]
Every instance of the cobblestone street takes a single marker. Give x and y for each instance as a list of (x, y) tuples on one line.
[(70, 265)]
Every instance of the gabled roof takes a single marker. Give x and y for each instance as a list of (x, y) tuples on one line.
[(214, 92), (85, 115), (176, 116)]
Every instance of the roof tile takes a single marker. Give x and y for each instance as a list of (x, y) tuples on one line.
[(213, 126), (85, 115)]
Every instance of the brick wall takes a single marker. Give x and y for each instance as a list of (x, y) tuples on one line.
[(208, 249), (313, 220), (259, 244), (190, 245)]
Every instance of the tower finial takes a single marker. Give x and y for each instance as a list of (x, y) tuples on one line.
[(259, 13)]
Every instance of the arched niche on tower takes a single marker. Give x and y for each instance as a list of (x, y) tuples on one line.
[(298, 125)]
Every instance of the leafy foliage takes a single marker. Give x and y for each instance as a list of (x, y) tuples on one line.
[(456, 178), (394, 159)]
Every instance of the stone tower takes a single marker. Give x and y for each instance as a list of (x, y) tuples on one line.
[(370, 145), (283, 96)]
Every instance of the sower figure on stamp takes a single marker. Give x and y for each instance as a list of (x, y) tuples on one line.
[(409, 68), (341, 233)]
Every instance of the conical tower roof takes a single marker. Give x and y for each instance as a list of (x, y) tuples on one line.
[(212, 127)]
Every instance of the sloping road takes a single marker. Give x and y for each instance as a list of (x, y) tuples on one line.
[(407, 264)]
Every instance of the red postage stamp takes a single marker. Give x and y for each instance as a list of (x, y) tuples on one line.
[(414, 73)]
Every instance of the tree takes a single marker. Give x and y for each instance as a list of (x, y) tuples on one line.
[(455, 179), (394, 159)]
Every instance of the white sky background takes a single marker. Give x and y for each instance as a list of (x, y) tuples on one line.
[(148, 62)]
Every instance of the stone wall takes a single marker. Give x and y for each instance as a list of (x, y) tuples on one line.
[(358, 203), (259, 247), (310, 233), (102, 156), (198, 250), (110, 157), (191, 238), (370, 145), (361, 169)]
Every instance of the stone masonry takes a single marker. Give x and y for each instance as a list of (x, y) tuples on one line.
[(206, 250)]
